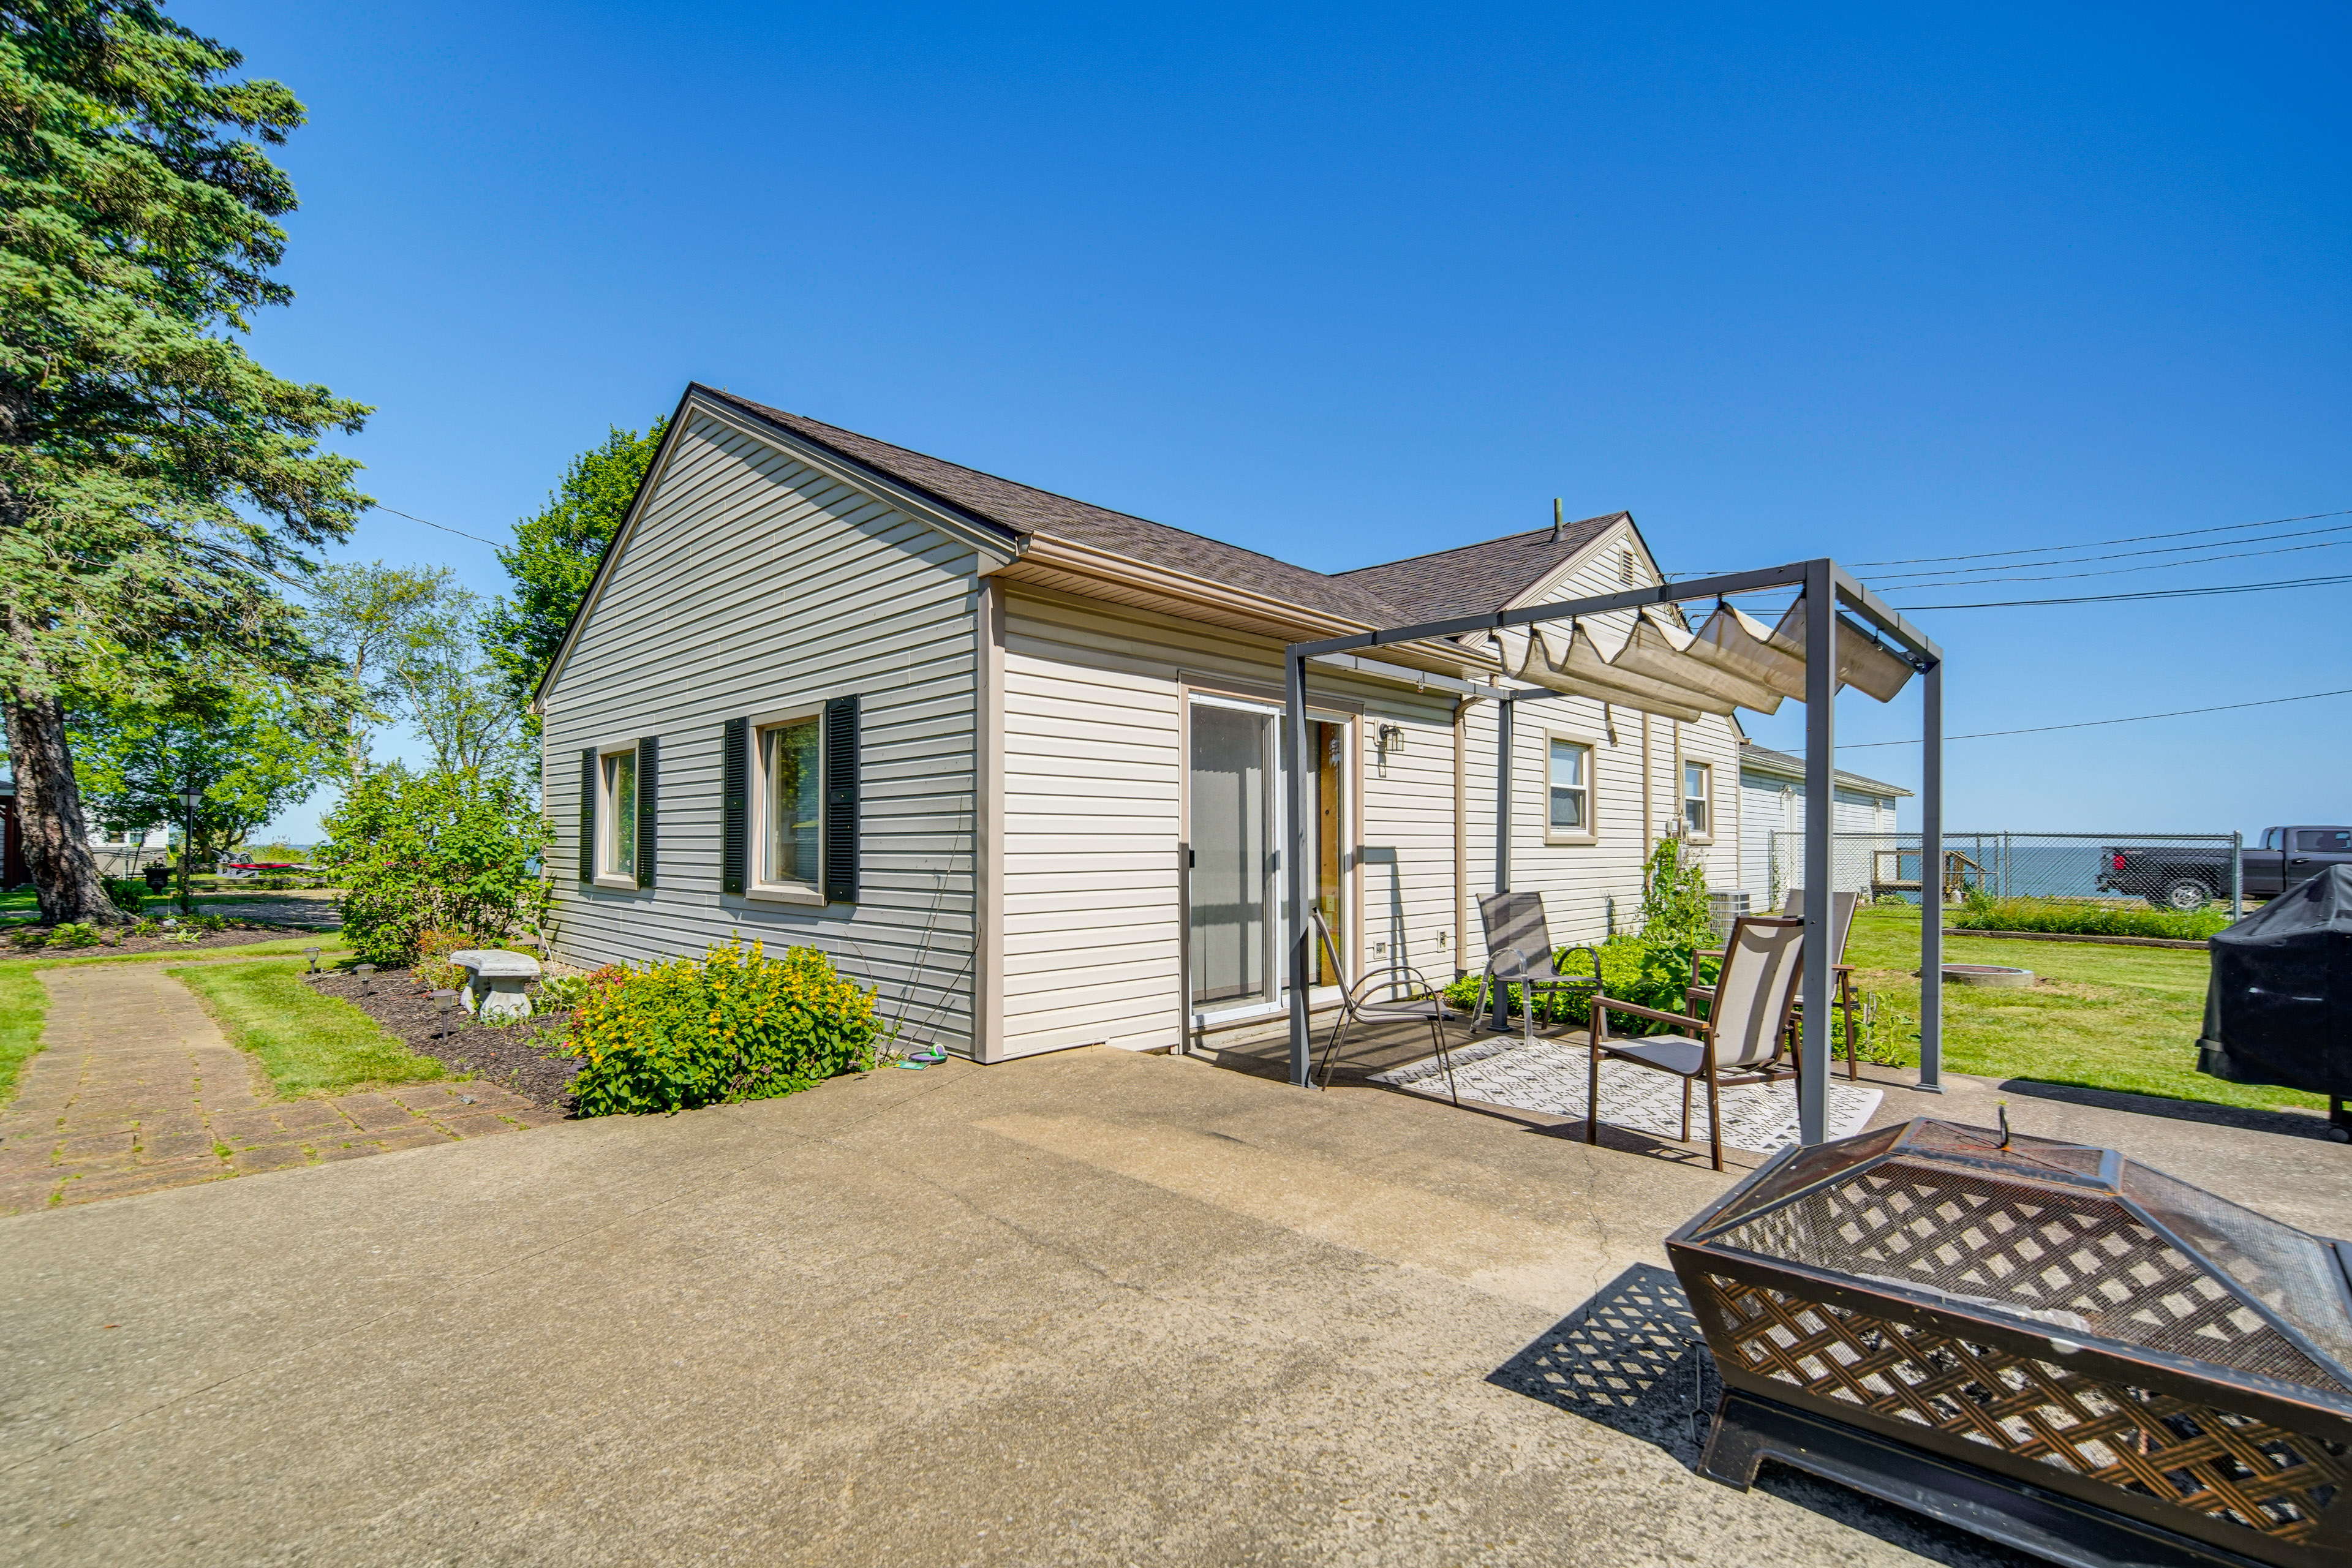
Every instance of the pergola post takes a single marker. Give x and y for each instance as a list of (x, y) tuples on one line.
[(1931, 876), (1299, 929), (1506, 711), (1820, 828)]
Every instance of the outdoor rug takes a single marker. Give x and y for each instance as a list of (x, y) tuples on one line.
[(1550, 1075)]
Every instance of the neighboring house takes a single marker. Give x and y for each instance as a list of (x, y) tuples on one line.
[(114, 858), (1014, 758), (1772, 801)]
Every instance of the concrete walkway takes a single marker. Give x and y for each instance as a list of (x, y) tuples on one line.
[(136, 1089), (1090, 1308)]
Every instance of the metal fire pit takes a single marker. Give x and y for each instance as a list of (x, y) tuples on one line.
[(2043, 1342)]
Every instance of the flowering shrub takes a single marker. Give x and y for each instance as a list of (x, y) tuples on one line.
[(735, 1024)]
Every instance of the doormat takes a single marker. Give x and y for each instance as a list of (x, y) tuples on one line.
[(1550, 1075)]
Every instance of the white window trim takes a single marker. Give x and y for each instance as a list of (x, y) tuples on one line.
[(1591, 833), (1683, 798), (811, 893), (607, 819)]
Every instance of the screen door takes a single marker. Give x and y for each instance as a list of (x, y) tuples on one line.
[(1232, 852)]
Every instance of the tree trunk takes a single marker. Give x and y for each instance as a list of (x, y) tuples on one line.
[(49, 807)]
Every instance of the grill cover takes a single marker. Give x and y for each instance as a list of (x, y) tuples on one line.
[(2278, 1009)]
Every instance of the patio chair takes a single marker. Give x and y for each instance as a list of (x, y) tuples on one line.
[(1738, 1042), (1355, 1006), (1519, 952), (1842, 908)]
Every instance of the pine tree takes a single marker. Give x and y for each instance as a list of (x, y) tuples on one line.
[(156, 483)]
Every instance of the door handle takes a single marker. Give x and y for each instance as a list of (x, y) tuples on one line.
[(2300, 860)]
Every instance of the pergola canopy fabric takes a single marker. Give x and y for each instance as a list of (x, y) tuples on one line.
[(1658, 667)]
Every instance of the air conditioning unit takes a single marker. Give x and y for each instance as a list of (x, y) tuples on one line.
[(1724, 907)]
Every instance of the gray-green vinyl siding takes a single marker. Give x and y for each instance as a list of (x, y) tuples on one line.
[(753, 582)]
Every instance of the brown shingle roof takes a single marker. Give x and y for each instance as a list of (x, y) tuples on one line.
[(1474, 578), (1464, 581), (1019, 508)]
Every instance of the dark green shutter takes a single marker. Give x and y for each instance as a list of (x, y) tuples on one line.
[(734, 803), (588, 815), (841, 799), (648, 800)]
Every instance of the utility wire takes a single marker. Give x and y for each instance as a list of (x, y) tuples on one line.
[(2095, 723), (2145, 594), (459, 532), (1957, 572), (1902, 587), (2101, 543)]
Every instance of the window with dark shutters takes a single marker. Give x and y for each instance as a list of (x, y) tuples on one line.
[(841, 744), (648, 798), (588, 815), (734, 805)]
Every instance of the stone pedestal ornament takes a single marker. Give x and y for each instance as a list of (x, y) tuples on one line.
[(496, 982)]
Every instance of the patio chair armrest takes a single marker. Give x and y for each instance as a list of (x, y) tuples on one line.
[(1371, 976), (1603, 1000), (1497, 956)]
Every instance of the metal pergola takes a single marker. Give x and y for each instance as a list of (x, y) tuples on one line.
[(1822, 581)]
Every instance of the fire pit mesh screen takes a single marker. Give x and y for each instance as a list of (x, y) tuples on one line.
[(2075, 1262), (2077, 1238), (2083, 1325), (2218, 1463)]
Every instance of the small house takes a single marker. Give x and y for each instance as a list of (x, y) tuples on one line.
[(1014, 759), (1772, 824)]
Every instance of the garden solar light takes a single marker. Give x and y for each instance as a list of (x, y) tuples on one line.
[(367, 978), (445, 1001), (312, 953)]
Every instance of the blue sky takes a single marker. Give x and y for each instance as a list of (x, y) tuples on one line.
[(1353, 284)]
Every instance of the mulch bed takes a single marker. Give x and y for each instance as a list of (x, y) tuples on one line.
[(518, 1056), (241, 933)]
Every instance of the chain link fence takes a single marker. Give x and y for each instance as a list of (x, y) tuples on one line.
[(2179, 871)]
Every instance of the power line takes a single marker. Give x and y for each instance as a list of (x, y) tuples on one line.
[(1956, 572), (2099, 543), (459, 532), (2146, 594), (1902, 587), (2095, 723)]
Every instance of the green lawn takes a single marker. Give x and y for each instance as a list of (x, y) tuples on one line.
[(24, 1002), (2106, 1018), (308, 1044)]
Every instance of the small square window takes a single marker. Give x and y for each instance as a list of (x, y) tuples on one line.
[(1571, 788), (792, 804), (618, 851), (1696, 781)]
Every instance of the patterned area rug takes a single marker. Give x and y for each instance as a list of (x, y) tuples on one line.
[(1550, 1075)]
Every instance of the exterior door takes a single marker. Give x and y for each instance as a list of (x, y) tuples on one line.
[(1234, 841)]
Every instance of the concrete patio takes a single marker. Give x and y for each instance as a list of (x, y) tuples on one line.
[(1091, 1307)]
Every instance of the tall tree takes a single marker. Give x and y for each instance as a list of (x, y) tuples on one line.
[(555, 554), (455, 696), (254, 754), (367, 619), (156, 481)]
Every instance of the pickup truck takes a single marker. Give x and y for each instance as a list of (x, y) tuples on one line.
[(2186, 876)]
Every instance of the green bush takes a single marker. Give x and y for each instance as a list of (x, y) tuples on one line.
[(447, 851), (73, 933), (734, 1026), (129, 893), (2082, 917)]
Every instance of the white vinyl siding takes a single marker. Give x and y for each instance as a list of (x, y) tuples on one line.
[(1773, 802), (1094, 787), (753, 584)]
